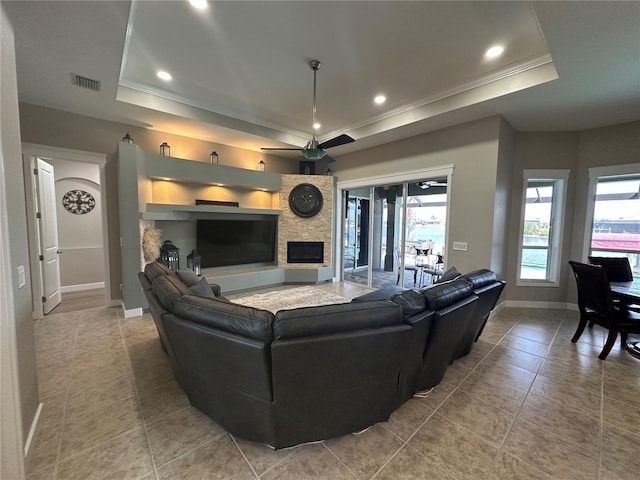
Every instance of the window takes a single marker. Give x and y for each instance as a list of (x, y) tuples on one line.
[(614, 216), (541, 226)]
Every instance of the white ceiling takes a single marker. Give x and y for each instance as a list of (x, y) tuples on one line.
[(240, 73)]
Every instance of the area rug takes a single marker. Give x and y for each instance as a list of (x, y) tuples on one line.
[(307, 296)]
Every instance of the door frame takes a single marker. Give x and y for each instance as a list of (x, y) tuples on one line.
[(387, 179), (30, 152)]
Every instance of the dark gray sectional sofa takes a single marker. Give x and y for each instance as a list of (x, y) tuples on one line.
[(312, 373)]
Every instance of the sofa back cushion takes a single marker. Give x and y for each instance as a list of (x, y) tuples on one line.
[(168, 288), (480, 278), (154, 270), (443, 294), (223, 315), (327, 319), (411, 302)]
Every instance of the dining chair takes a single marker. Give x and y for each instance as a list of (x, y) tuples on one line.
[(596, 306), (618, 270)]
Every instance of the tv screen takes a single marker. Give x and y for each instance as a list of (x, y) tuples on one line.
[(236, 242)]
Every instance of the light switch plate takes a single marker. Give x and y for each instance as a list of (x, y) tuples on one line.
[(462, 246)]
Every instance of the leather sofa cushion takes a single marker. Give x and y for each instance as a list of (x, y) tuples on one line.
[(443, 294), (168, 288), (224, 315), (154, 270), (202, 289), (385, 293), (451, 274), (188, 277), (480, 278), (327, 319), (412, 303)]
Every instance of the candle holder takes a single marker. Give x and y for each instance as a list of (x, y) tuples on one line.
[(127, 138), (261, 166), (213, 157)]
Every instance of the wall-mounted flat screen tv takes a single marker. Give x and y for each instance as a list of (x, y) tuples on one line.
[(236, 242)]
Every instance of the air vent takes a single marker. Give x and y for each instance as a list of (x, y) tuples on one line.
[(85, 82)]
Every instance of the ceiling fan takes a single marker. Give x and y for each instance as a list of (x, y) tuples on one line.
[(314, 150), (430, 183)]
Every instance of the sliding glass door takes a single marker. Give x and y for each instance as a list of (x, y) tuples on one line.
[(394, 234)]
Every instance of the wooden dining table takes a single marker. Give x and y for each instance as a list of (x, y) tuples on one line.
[(628, 292)]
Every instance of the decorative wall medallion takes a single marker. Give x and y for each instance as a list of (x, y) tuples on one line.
[(305, 200), (78, 202)]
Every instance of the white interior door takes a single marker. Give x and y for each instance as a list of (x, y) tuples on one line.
[(48, 225)]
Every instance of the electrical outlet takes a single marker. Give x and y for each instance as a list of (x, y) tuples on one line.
[(21, 276), (462, 246)]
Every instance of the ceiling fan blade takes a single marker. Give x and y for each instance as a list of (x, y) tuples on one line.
[(334, 142), (267, 148), (327, 159)]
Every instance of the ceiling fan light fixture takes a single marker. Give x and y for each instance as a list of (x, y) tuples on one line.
[(313, 153)]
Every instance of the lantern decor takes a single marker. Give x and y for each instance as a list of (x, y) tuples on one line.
[(261, 165), (194, 261), (170, 255), (127, 138), (213, 157), (165, 149)]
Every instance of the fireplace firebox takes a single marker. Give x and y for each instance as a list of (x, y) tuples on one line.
[(305, 252)]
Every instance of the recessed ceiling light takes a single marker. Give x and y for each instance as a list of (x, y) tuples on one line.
[(494, 51), (380, 99), (164, 75), (316, 126), (199, 4)]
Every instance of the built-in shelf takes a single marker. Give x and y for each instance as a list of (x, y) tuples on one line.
[(164, 211), (158, 167)]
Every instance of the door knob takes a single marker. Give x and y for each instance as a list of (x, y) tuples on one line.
[(58, 252)]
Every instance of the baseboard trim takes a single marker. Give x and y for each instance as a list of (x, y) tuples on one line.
[(134, 312), (35, 425), (81, 287), (543, 305)]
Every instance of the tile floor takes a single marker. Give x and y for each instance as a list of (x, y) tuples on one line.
[(525, 404)]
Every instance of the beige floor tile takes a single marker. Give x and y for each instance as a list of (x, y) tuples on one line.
[(409, 464), (625, 416), (160, 400), (521, 359), (365, 453), (494, 391), (479, 351), (407, 419), (45, 474), (309, 462), (585, 396), (538, 333), (620, 454), (123, 457), (508, 467), (477, 415), (524, 344), (456, 373), (45, 448), (217, 459), (541, 450), (261, 457), (179, 433), (89, 424), (508, 373), (436, 396), (563, 422), (446, 443)]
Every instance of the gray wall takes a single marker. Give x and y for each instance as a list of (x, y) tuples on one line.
[(16, 215), (472, 149)]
